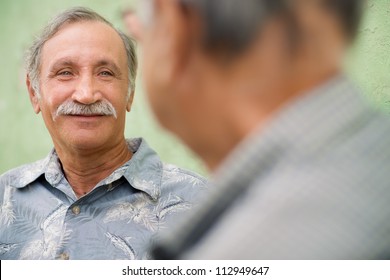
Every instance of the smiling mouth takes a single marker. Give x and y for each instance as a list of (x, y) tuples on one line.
[(87, 116), (83, 117)]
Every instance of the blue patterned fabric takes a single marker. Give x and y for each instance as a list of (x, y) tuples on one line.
[(41, 217)]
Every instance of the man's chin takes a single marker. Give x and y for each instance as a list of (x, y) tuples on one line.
[(86, 141), (84, 135)]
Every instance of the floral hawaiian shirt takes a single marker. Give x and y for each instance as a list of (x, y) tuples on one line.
[(41, 217)]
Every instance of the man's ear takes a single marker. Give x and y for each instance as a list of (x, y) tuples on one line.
[(178, 34), (135, 28), (130, 101), (33, 95)]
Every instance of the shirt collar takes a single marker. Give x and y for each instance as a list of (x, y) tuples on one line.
[(143, 171)]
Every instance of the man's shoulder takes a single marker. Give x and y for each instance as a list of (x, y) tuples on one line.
[(183, 183), (174, 174), (149, 165), (22, 175)]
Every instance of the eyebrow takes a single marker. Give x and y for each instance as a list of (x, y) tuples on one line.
[(110, 64), (66, 62), (61, 63)]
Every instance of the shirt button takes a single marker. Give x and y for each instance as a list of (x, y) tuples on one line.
[(76, 210), (64, 256)]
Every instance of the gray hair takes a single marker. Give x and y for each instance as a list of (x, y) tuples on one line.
[(73, 15), (231, 25)]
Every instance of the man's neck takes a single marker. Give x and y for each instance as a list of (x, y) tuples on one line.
[(245, 115), (85, 169)]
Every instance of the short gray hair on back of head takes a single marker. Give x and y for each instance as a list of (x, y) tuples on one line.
[(77, 14), (231, 25)]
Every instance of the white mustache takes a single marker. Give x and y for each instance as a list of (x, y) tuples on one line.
[(103, 108)]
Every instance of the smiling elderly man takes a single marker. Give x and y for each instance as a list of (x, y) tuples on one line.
[(96, 196)]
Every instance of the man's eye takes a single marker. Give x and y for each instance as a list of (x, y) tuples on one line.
[(64, 73), (105, 73)]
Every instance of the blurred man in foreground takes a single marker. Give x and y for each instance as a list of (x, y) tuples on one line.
[(256, 88), (96, 195)]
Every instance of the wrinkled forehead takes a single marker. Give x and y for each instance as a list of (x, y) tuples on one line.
[(84, 27), (85, 39)]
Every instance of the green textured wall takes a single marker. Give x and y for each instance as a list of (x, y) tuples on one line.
[(369, 63), (23, 136)]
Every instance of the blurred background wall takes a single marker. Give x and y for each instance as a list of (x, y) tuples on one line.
[(24, 138)]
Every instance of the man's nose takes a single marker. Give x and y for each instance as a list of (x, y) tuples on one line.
[(86, 91)]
